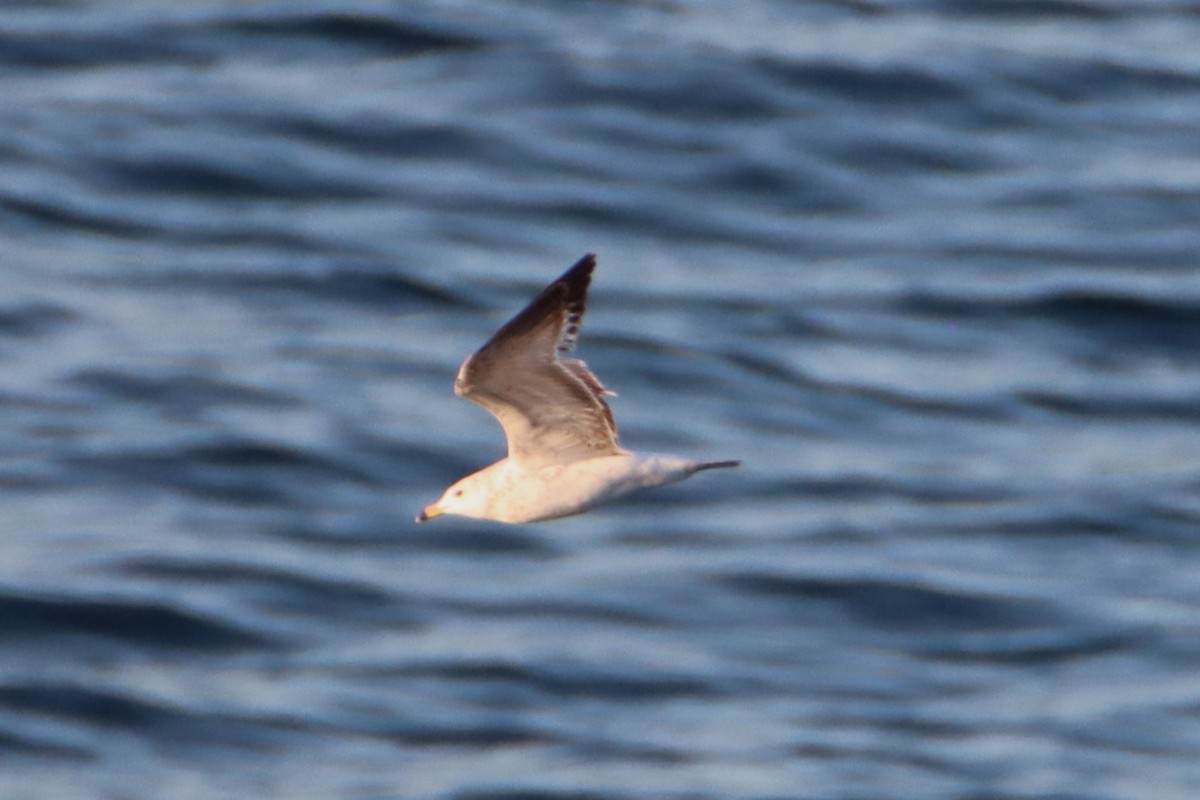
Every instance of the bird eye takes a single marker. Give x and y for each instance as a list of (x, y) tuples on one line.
[(458, 493)]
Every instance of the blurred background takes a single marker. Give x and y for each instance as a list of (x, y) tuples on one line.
[(928, 266)]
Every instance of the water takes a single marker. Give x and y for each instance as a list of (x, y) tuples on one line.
[(929, 268)]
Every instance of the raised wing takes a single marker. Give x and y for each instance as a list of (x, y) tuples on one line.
[(552, 409)]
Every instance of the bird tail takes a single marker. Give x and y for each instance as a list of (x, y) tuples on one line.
[(717, 465)]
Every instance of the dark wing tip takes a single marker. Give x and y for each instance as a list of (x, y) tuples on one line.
[(577, 279), (568, 291), (581, 269), (574, 285)]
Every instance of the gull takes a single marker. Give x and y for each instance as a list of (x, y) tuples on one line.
[(563, 457)]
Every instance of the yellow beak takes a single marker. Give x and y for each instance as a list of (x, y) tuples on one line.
[(429, 513)]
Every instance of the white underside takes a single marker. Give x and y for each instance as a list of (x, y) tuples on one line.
[(519, 494)]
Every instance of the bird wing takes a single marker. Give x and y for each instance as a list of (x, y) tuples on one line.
[(552, 409)]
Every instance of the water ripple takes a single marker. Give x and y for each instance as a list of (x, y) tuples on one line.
[(31, 618)]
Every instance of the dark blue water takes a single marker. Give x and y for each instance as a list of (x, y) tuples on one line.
[(929, 268)]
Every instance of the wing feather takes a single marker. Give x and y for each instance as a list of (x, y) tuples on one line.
[(552, 409)]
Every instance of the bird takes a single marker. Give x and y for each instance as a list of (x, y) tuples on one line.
[(563, 453)]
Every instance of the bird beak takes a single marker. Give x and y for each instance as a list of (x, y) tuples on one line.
[(429, 513)]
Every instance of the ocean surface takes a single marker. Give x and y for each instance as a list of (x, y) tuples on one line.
[(931, 268)]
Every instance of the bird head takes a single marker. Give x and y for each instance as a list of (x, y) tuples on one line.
[(466, 498)]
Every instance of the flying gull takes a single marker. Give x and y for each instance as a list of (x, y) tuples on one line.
[(563, 456)]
